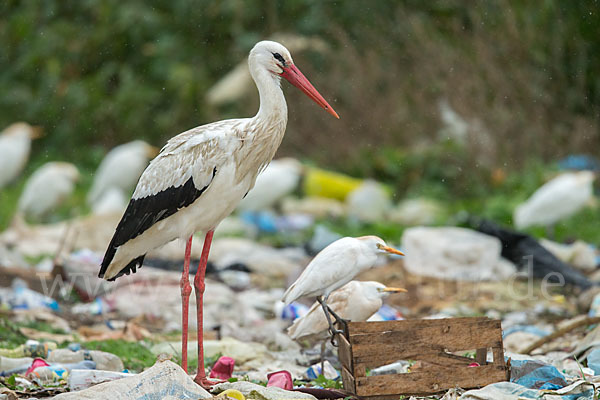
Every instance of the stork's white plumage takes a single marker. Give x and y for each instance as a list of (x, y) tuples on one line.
[(557, 199), (47, 188), (336, 265), (121, 168), (201, 175), (15, 145), (355, 301), (279, 179)]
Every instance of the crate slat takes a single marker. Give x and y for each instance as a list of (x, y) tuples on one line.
[(429, 381)]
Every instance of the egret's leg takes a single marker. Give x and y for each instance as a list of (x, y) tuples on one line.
[(186, 290), (332, 331), (323, 357), (199, 287)]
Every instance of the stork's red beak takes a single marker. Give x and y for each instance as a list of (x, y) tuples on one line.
[(297, 78)]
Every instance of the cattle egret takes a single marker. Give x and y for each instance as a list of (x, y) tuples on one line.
[(557, 199), (278, 180), (121, 168), (199, 178), (47, 188), (112, 201), (355, 301), (336, 265), (15, 145)]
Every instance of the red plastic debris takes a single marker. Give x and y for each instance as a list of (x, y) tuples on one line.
[(38, 362), (281, 379), (223, 368)]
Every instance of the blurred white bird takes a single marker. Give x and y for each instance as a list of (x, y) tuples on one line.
[(47, 188), (112, 201), (355, 301), (121, 168), (279, 179), (559, 198), (15, 145), (336, 265)]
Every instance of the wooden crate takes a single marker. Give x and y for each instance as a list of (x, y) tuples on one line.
[(432, 344)]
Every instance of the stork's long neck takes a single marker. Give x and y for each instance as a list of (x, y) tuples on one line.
[(273, 108)]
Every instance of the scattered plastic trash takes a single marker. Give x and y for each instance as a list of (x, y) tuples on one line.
[(369, 202), (103, 360), (321, 183), (578, 254), (526, 253), (80, 379), (536, 375), (580, 162), (386, 313), (252, 390), (328, 371), (163, 377), (40, 369), (291, 311), (9, 366), (223, 368), (232, 393), (280, 379), (25, 298), (454, 253), (31, 348)]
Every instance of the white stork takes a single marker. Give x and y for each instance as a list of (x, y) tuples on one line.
[(15, 145), (200, 176), (334, 266)]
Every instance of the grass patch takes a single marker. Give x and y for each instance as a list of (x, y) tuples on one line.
[(135, 356), (10, 336)]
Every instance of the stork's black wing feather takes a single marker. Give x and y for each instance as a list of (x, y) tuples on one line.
[(144, 212)]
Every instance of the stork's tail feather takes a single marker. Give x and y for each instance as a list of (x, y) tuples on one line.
[(130, 268)]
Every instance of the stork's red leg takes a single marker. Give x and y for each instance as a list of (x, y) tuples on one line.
[(186, 290), (199, 287)]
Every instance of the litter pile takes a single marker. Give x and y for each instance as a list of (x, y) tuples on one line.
[(66, 333)]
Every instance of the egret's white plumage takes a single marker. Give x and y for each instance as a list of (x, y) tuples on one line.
[(121, 168), (559, 198), (279, 179), (336, 265), (15, 145), (47, 188), (355, 301)]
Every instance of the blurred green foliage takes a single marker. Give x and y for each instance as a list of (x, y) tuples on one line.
[(105, 72), (135, 356)]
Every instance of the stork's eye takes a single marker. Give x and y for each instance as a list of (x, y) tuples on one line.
[(279, 58)]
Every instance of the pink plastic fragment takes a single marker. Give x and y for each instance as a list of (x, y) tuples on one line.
[(474, 364), (38, 362), (280, 379), (223, 368)]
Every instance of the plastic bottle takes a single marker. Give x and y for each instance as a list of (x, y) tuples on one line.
[(60, 371), (9, 366), (83, 378), (104, 361), (31, 348)]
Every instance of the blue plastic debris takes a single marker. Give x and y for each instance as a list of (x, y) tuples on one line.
[(536, 375)]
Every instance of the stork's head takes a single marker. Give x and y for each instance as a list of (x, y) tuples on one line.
[(276, 59)]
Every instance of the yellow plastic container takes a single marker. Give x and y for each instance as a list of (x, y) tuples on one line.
[(333, 185)]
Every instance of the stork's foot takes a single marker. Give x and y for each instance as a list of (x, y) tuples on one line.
[(205, 382)]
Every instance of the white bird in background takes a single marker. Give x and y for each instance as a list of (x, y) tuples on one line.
[(355, 301), (121, 168), (336, 265), (112, 201), (15, 145), (280, 178), (47, 188), (557, 199), (199, 178)]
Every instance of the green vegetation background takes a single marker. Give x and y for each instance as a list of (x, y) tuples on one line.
[(95, 74)]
